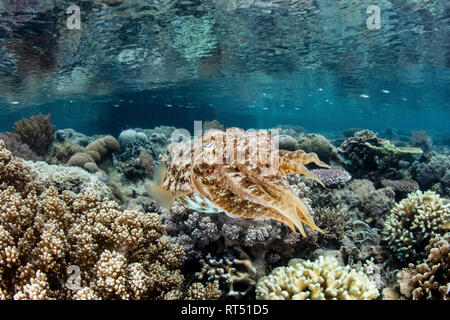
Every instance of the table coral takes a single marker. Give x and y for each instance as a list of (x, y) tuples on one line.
[(365, 154), (413, 222), (323, 279), (114, 254)]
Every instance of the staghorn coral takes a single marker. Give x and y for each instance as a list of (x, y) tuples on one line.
[(323, 279), (37, 132), (413, 222), (239, 172), (117, 254), (431, 279)]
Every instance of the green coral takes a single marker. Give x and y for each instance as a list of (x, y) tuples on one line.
[(390, 150), (323, 279), (413, 222)]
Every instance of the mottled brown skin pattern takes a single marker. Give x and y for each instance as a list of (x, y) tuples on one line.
[(253, 188)]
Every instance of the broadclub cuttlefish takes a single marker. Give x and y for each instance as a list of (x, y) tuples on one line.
[(241, 173)]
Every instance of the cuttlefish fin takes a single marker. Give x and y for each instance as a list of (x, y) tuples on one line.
[(162, 197)]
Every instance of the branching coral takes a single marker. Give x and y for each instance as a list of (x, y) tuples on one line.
[(111, 253), (227, 272), (334, 222), (17, 148), (323, 279), (37, 132), (413, 222), (63, 178), (429, 280)]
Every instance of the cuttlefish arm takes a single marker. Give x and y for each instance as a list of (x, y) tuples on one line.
[(293, 162)]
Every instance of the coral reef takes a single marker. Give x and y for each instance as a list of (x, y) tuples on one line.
[(401, 187), (429, 280), (133, 144), (17, 148), (361, 243), (160, 137), (261, 238), (66, 178), (78, 138), (413, 222), (367, 155), (323, 279), (108, 253), (332, 177), (230, 273), (94, 153), (319, 145), (334, 221), (61, 152), (377, 205), (37, 132), (435, 171)]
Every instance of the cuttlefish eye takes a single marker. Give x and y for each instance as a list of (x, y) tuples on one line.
[(208, 146)]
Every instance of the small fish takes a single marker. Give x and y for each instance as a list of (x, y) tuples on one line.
[(369, 220)]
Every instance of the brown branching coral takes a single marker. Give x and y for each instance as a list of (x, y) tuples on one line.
[(37, 132), (17, 148), (334, 222), (413, 222), (241, 173), (431, 279), (112, 254)]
